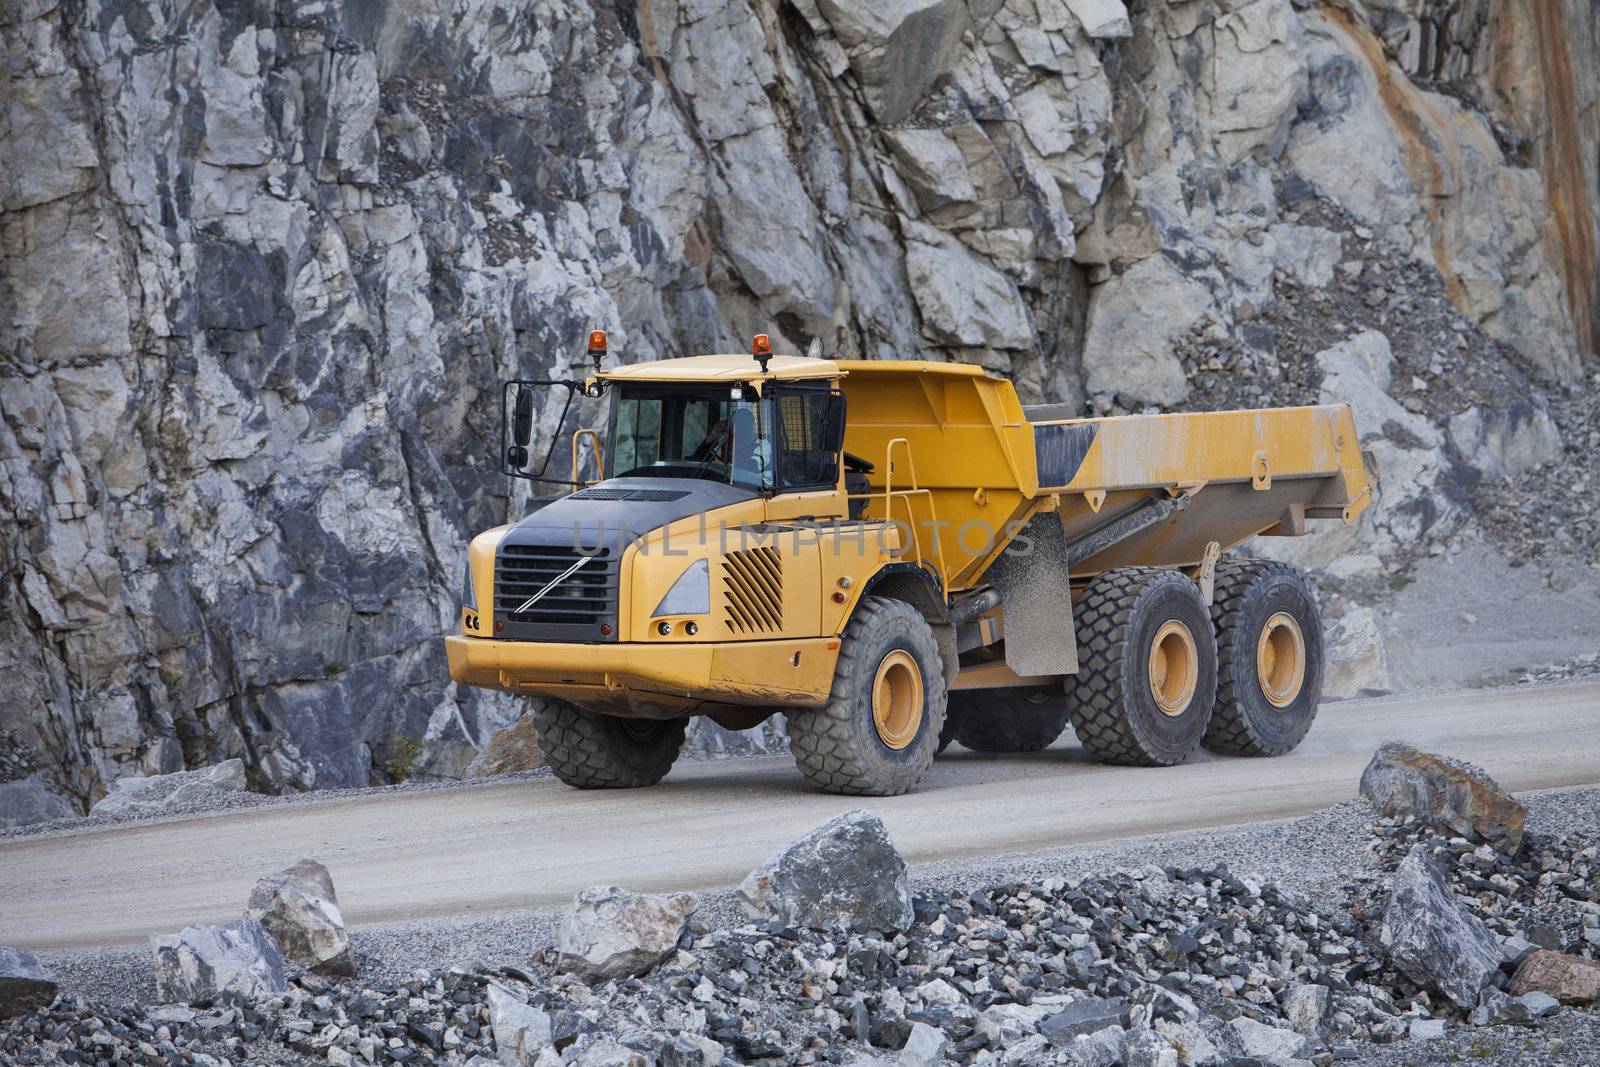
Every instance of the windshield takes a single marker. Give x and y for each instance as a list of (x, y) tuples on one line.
[(786, 441)]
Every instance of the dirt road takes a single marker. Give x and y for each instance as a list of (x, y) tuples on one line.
[(502, 846)]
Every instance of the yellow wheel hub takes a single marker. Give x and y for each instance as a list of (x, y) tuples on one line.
[(1281, 660), (1174, 667), (897, 698)]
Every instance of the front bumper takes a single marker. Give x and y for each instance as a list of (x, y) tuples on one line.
[(644, 679)]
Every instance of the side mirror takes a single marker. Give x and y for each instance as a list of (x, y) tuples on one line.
[(522, 420)]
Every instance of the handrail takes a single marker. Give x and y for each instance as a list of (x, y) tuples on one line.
[(599, 457), (889, 493)]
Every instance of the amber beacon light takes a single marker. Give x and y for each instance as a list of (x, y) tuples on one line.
[(761, 348)]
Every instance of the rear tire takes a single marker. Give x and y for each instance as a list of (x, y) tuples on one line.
[(880, 729), (593, 751), (1147, 668), (1008, 720), (1269, 658)]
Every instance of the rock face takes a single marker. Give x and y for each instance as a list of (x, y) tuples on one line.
[(1432, 939), (24, 984), (299, 908), (1403, 780), (612, 933), (514, 748), (1570, 979), (203, 961), (844, 872), (261, 265), (165, 792)]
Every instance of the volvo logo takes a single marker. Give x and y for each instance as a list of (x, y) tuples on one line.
[(557, 580)]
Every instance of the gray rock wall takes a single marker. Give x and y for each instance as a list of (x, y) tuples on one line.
[(261, 265)]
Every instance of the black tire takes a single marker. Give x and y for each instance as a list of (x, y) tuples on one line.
[(1008, 720), (1248, 593), (838, 747), (593, 751), (1113, 705)]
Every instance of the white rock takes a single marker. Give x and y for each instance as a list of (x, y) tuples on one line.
[(521, 1031), (1102, 18), (202, 961), (963, 300), (1427, 1029), (613, 933), (299, 908), (1133, 317), (1269, 1043), (1508, 440)]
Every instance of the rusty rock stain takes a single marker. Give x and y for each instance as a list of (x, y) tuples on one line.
[(1419, 126), (1566, 202)]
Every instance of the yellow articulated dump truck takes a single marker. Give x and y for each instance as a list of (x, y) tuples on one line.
[(893, 555)]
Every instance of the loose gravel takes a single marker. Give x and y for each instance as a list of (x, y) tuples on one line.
[(1227, 921)]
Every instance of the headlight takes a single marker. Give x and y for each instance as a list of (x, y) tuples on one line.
[(690, 594), (469, 594)]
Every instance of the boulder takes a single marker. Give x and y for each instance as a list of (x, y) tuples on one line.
[(1402, 780), (1305, 1005), (521, 1031), (165, 792), (613, 933), (923, 1048), (25, 801), (203, 961), (1270, 1043), (24, 984), (1205, 1041), (843, 873), (1105, 1047), (1146, 1048), (898, 48), (1083, 1016), (1570, 979), (1497, 1009), (1102, 19), (298, 907), (1509, 440), (1432, 939), (1128, 351), (511, 749)]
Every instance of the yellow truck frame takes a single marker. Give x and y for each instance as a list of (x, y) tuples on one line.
[(976, 571)]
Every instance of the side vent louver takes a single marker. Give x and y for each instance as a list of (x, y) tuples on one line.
[(752, 586)]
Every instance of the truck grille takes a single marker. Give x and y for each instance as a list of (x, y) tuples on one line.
[(573, 609), (752, 587)]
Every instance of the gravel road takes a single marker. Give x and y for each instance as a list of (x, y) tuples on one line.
[(478, 850)]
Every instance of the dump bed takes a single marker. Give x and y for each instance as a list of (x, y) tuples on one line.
[(955, 452)]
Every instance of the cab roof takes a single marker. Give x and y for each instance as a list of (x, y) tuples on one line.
[(738, 368)]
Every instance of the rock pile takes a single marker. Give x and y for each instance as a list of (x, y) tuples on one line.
[(1154, 967), (167, 792)]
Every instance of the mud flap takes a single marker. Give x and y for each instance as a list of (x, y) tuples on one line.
[(1037, 600)]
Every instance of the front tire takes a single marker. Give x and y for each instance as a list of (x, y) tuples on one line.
[(1008, 720), (593, 751), (1269, 658), (1147, 668), (880, 729)]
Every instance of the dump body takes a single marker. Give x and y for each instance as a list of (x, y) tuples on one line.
[(959, 473)]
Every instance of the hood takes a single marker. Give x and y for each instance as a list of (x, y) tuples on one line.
[(619, 510)]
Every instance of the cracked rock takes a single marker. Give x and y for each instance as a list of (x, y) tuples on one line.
[(613, 933), (845, 872), (203, 961), (1432, 939), (299, 908)]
